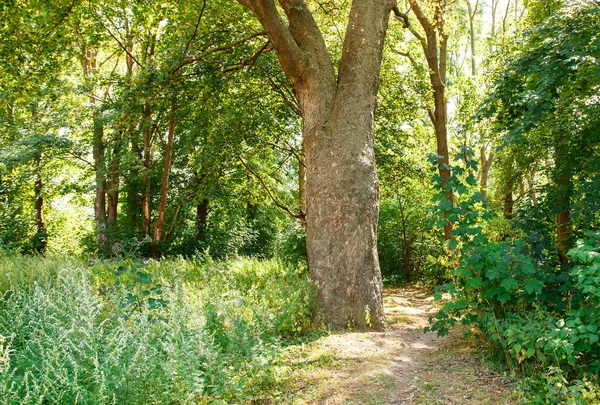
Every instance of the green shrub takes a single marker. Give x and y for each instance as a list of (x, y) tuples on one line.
[(544, 319), (70, 334)]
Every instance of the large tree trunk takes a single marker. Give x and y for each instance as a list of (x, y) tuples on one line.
[(342, 196), (302, 188)]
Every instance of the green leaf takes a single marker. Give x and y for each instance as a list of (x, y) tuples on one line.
[(534, 286), (509, 284), (504, 298), (155, 303), (120, 270), (144, 278), (475, 282)]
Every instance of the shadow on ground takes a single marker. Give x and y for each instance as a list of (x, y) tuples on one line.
[(400, 366)]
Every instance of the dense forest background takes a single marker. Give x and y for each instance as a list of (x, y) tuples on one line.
[(133, 131)]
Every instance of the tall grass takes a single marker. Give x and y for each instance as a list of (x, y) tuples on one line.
[(71, 333)]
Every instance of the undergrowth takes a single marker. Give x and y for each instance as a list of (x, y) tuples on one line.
[(131, 332), (545, 320)]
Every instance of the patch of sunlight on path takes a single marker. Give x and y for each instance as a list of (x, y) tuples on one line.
[(400, 366)]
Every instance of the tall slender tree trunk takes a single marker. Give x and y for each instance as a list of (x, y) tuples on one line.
[(112, 185), (201, 218), (486, 164), (88, 65), (342, 196), (472, 13), (41, 237), (405, 247), (531, 188), (435, 48), (563, 181), (164, 188), (145, 200), (98, 153), (509, 203)]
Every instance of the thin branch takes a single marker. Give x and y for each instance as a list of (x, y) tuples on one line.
[(271, 196), (123, 47), (249, 61), (195, 33), (413, 62), (406, 24), (197, 58), (285, 96)]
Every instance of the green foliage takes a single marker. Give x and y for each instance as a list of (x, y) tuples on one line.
[(543, 319), (64, 338)]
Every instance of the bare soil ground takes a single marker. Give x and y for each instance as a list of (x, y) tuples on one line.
[(400, 366)]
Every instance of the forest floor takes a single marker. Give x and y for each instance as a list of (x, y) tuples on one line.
[(400, 366)]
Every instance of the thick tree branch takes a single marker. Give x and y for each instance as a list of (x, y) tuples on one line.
[(288, 52)]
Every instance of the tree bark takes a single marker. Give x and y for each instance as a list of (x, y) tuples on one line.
[(342, 196), (435, 48), (201, 217), (145, 200), (100, 177), (164, 188), (509, 203), (41, 236), (405, 247), (486, 164), (88, 65), (472, 12), (112, 186), (563, 181), (531, 188), (302, 188)]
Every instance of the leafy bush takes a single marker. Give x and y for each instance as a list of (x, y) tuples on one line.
[(545, 319), (69, 333)]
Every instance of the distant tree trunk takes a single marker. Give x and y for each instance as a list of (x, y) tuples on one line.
[(341, 180), (201, 217), (493, 25), (472, 12), (164, 188), (509, 203), (88, 65), (531, 190), (112, 186), (435, 48), (41, 237), (486, 164), (100, 170), (145, 200), (563, 181), (405, 247)]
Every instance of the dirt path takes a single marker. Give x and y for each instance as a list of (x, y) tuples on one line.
[(401, 366)]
